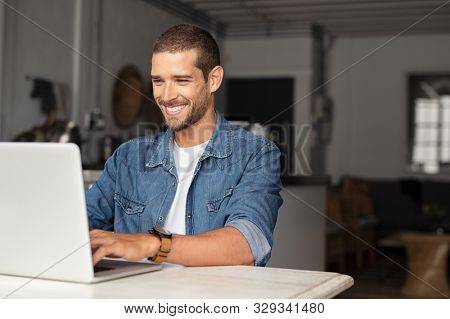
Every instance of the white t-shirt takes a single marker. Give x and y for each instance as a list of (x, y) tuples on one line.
[(186, 159)]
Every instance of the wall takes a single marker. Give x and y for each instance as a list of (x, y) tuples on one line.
[(369, 136), (30, 51)]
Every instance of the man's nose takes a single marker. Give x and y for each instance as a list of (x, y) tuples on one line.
[(169, 92)]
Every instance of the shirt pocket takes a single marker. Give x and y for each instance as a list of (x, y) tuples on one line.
[(215, 204), (128, 206)]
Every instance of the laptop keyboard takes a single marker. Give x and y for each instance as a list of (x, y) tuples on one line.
[(102, 268)]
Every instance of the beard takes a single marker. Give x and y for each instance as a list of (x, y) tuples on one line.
[(195, 109)]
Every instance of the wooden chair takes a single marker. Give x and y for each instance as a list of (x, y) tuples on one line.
[(359, 217)]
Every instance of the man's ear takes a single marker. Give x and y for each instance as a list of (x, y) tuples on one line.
[(215, 78)]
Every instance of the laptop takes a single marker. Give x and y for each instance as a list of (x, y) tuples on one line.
[(44, 230)]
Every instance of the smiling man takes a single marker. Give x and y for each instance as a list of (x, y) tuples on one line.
[(203, 192)]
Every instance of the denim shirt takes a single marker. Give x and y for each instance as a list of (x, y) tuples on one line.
[(236, 183)]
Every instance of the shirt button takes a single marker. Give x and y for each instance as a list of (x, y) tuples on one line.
[(129, 209), (189, 216), (160, 218)]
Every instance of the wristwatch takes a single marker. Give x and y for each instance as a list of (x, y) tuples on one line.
[(166, 242)]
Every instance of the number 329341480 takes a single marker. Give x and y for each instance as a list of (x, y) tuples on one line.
[(282, 307)]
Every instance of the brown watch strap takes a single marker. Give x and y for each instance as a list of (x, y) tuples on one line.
[(164, 250)]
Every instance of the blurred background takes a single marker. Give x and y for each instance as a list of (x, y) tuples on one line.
[(356, 94)]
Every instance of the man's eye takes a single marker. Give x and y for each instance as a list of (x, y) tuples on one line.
[(183, 81), (157, 81)]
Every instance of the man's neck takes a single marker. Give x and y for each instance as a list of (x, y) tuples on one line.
[(199, 132)]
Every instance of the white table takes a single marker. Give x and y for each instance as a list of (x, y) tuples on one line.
[(190, 282)]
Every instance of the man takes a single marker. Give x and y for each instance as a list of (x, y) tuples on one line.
[(202, 193)]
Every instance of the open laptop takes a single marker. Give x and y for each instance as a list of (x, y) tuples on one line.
[(44, 229)]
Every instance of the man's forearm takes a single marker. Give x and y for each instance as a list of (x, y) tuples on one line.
[(226, 246)]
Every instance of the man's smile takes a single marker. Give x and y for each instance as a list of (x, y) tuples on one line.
[(174, 109)]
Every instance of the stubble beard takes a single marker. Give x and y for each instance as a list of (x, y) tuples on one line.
[(196, 111)]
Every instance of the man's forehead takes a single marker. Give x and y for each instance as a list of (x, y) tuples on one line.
[(190, 55), (173, 61)]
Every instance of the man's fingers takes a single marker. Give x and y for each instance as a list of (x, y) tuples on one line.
[(93, 250), (105, 251), (99, 254), (108, 244), (100, 247)]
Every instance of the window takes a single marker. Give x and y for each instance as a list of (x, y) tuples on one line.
[(430, 123)]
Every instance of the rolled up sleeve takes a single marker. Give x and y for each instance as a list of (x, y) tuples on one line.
[(257, 241)]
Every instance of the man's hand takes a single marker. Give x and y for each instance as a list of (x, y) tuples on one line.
[(133, 247)]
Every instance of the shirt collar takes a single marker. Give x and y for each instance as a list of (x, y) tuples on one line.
[(219, 146)]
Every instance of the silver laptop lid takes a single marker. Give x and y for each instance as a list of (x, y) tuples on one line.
[(43, 221)]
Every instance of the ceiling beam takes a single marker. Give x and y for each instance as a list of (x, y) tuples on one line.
[(386, 33), (425, 6), (350, 32), (284, 18), (357, 19), (187, 11), (223, 5), (444, 25), (269, 33), (282, 2)]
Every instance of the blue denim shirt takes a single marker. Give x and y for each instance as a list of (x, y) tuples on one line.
[(236, 183)]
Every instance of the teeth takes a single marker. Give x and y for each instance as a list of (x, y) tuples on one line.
[(175, 109)]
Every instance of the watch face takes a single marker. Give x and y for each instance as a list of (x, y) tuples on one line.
[(162, 231)]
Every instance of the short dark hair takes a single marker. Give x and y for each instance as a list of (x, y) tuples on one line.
[(185, 37)]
